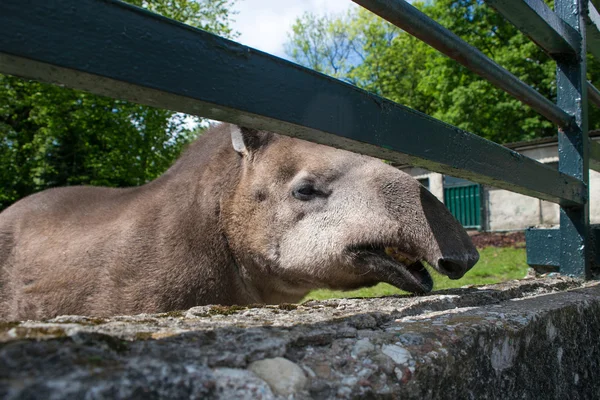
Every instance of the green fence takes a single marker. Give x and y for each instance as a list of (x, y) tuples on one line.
[(464, 202)]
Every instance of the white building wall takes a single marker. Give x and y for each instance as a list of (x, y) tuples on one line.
[(594, 197), (509, 211), (436, 185), (550, 214), (512, 211), (506, 211)]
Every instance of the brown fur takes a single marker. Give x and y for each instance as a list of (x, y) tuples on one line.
[(219, 227)]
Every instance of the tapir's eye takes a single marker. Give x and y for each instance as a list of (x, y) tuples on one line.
[(305, 191)]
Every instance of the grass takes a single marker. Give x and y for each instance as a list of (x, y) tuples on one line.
[(496, 264)]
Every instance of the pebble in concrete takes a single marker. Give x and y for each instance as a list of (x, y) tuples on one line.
[(241, 384), (361, 347), (283, 376), (399, 354)]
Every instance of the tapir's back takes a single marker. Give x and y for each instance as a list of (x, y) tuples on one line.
[(105, 251), (55, 242), (68, 210)]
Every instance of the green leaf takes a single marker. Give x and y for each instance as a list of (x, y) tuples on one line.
[(52, 136)]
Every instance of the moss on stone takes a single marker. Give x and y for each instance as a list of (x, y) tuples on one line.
[(114, 343), (41, 332), (288, 306), (143, 335), (225, 310), (256, 305), (90, 321), (95, 359), (8, 325), (172, 314), (143, 321), (95, 321)]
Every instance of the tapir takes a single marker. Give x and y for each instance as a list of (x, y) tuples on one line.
[(243, 216)]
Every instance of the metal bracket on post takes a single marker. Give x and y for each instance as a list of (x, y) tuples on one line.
[(544, 249), (573, 145)]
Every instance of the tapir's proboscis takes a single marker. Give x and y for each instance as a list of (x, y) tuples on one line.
[(244, 216)]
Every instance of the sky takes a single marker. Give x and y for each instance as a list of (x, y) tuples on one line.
[(264, 24)]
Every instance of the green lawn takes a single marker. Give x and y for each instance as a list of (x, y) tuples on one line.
[(496, 264)]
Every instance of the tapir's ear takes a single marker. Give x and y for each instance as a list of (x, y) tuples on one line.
[(246, 140)]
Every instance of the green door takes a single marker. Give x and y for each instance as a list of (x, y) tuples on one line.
[(464, 202)]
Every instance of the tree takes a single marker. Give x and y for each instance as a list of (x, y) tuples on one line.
[(392, 63), (52, 136), (395, 65), (325, 44)]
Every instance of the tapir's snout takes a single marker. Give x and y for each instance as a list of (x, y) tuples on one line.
[(418, 229), (456, 267), (446, 244)]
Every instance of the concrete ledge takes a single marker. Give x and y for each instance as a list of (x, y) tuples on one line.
[(529, 339)]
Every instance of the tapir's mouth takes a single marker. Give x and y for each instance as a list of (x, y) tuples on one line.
[(395, 267)]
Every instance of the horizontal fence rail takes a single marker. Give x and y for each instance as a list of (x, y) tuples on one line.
[(413, 21), (114, 49), (536, 20)]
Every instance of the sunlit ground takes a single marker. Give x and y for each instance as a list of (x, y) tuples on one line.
[(496, 264)]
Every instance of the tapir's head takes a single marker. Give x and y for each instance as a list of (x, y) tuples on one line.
[(313, 216)]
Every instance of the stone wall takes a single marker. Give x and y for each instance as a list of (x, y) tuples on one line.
[(530, 339)]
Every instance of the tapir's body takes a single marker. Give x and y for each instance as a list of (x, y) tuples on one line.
[(242, 217)]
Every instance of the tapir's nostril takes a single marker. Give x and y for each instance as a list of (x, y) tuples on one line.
[(455, 269), (473, 258)]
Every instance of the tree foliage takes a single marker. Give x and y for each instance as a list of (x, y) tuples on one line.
[(52, 136), (364, 49)]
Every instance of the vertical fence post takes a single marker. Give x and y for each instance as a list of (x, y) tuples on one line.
[(573, 147)]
